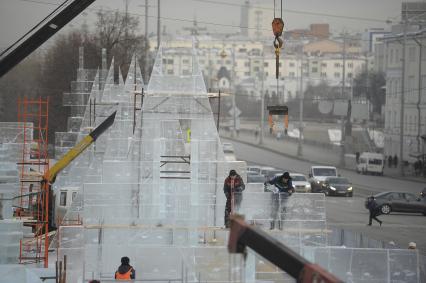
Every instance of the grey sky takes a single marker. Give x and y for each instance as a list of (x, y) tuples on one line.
[(18, 16)]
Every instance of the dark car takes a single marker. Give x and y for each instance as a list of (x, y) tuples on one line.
[(338, 186), (400, 202)]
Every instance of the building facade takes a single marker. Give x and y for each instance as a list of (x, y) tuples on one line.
[(414, 94)]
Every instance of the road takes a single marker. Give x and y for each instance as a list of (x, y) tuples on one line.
[(349, 213)]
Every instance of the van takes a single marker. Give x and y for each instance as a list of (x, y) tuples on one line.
[(370, 162), (317, 176)]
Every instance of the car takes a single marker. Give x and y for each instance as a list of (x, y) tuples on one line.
[(318, 174), (370, 162), (253, 169), (255, 178), (270, 172), (399, 202), (300, 183), (339, 186), (228, 150)]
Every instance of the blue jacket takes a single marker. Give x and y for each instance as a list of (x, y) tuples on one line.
[(283, 187)]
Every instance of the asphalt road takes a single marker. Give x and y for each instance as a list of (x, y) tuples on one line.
[(349, 213)]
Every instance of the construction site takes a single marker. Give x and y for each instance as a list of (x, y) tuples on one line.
[(140, 173)]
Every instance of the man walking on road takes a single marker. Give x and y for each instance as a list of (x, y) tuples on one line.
[(374, 211)]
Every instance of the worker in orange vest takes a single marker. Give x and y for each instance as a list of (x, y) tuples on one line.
[(125, 270)]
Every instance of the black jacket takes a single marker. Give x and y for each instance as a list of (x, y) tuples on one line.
[(122, 269)]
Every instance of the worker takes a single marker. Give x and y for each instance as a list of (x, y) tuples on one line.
[(125, 270), (233, 188), (283, 189)]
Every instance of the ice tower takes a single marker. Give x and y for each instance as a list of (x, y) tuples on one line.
[(159, 190)]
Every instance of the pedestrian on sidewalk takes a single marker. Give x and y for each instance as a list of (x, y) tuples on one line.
[(395, 161), (374, 210), (390, 161), (357, 157), (233, 188)]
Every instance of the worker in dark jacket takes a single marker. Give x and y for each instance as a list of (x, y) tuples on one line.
[(374, 210), (125, 270), (283, 189), (233, 188)]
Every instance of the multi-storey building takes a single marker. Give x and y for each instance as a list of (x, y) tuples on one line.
[(414, 93), (243, 59)]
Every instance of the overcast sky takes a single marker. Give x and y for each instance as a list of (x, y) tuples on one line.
[(18, 16)]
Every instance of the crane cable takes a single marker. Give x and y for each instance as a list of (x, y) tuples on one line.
[(277, 29)]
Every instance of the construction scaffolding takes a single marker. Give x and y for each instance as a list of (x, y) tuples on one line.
[(33, 201)]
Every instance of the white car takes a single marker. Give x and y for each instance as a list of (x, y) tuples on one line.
[(228, 150), (253, 169), (317, 176), (300, 183)]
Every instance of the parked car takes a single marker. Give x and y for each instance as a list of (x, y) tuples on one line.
[(300, 183), (317, 176), (400, 202), (337, 186), (255, 178), (228, 150), (370, 162)]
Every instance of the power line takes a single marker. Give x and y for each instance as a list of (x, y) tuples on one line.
[(298, 11)]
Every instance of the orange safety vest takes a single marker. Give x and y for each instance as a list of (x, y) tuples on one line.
[(125, 276)]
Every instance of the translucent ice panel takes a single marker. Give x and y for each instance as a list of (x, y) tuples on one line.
[(182, 77), (367, 265)]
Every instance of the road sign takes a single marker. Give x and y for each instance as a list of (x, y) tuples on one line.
[(237, 112)]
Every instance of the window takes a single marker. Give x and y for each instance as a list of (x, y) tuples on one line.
[(291, 74), (202, 62), (323, 74), (242, 50), (337, 75), (323, 64), (291, 64), (314, 70), (164, 61), (74, 194), (350, 75), (337, 65), (63, 199), (186, 72), (266, 74), (280, 64), (265, 64), (170, 61), (350, 65), (170, 72), (247, 74), (246, 64), (228, 62), (410, 197), (185, 61), (256, 69)]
